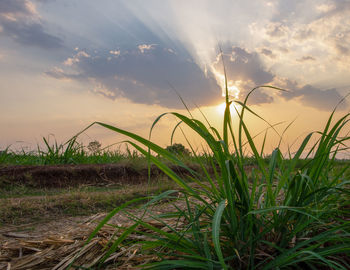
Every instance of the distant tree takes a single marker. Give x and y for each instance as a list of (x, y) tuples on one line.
[(178, 149), (94, 147)]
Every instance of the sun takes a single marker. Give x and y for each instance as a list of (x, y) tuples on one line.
[(221, 107), (233, 92)]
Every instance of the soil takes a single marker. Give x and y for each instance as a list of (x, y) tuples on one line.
[(24, 246), (61, 176)]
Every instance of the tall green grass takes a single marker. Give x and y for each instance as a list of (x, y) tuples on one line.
[(280, 215), (71, 152)]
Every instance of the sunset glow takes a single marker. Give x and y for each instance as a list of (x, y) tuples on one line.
[(65, 64)]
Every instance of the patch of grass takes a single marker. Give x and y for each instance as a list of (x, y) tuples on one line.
[(291, 214), (28, 205)]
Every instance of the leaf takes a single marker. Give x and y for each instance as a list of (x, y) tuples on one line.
[(216, 231)]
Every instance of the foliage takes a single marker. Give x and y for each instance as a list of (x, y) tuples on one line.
[(276, 216), (178, 149), (94, 147)]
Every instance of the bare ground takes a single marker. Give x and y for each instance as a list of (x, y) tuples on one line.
[(55, 244), (49, 231)]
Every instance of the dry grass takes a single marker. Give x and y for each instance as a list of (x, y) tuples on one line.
[(57, 250)]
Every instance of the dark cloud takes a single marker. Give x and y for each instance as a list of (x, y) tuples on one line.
[(143, 75), (19, 21), (283, 49), (242, 65), (246, 69), (306, 58), (311, 96), (14, 6), (31, 34), (268, 53)]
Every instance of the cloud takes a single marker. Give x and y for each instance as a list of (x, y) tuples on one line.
[(20, 21), (276, 30), (332, 27), (308, 95), (143, 76), (115, 52), (31, 34), (306, 58), (243, 65), (246, 71), (145, 47), (76, 58), (268, 53), (304, 34), (323, 25), (335, 7)]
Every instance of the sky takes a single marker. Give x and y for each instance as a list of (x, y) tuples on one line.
[(65, 64)]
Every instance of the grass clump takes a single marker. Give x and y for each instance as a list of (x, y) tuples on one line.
[(290, 213)]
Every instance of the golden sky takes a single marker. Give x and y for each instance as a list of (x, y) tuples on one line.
[(65, 64)]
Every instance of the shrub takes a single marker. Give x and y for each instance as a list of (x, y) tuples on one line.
[(178, 149), (94, 147)]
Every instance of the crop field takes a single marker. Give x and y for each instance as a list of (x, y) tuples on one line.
[(174, 208)]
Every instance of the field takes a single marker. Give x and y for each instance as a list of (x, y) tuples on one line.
[(179, 209)]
